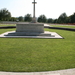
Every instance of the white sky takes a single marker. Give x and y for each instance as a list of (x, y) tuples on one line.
[(50, 8)]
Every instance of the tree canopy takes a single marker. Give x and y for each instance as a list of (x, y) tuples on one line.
[(50, 20), (5, 15), (62, 18), (42, 18), (72, 18), (28, 18), (20, 18)]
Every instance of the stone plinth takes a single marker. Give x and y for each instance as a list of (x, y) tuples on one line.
[(30, 28)]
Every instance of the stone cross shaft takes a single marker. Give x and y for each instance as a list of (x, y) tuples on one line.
[(34, 18), (34, 8)]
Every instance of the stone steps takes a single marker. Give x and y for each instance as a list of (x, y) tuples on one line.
[(29, 34)]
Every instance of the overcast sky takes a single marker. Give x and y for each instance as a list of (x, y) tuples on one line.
[(50, 8)]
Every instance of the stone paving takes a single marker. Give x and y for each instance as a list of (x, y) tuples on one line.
[(58, 72)]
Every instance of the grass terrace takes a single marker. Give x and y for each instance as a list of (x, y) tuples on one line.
[(2, 25), (31, 55), (64, 26)]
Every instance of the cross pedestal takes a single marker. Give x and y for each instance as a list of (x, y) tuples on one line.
[(34, 20)]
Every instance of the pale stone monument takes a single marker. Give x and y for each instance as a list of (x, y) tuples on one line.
[(31, 30)]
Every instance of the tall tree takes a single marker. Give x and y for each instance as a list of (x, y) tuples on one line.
[(28, 18), (72, 18), (13, 19), (50, 20), (20, 18), (5, 15), (55, 20), (42, 18), (62, 18), (68, 20)]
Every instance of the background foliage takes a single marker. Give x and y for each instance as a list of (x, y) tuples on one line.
[(5, 15)]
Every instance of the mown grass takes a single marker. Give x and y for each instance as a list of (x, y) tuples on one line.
[(2, 25), (27, 55), (6, 30), (63, 26)]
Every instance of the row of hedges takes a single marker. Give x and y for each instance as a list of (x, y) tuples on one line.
[(7, 27), (70, 29)]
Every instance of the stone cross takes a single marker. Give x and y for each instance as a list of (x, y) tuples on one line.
[(34, 18)]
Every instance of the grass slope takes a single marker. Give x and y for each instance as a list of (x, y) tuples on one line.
[(27, 55)]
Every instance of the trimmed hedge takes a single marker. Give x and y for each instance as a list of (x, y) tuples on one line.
[(70, 29), (7, 27)]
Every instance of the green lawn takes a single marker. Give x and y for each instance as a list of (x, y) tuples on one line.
[(1, 25), (64, 26), (6, 30), (27, 55)]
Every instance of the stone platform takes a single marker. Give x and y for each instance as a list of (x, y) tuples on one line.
[(49, 35), (30, 30)]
